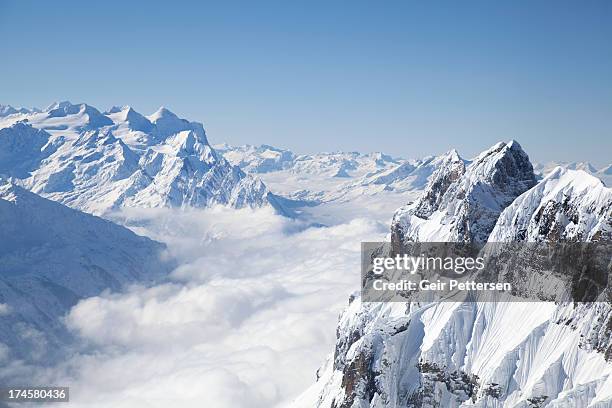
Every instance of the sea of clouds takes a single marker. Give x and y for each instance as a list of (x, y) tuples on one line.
[(245, 319)]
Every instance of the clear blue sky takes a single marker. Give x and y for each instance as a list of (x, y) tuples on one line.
[(408, 78)]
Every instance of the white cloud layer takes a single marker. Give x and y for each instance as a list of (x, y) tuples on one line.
[(245, 321)]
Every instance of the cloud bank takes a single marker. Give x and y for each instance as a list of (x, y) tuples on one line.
[(245, 321)]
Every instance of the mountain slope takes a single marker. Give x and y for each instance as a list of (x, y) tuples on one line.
[(22, 148), (51, 257), (567, 205)]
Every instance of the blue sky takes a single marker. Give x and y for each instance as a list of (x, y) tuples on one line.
[(408, 78)]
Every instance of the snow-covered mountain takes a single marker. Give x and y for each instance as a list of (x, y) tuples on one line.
[(265, 159), (328, 177), (544, 169), (257, 159), (567, 205), (408, 175), (606, 170), (480, 354), (604, 174), (51, 256), (6, 110), (462, 202), (96, 162)]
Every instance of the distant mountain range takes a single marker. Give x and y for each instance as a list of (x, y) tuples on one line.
[(101, 161), (324, 177), (604, 173)]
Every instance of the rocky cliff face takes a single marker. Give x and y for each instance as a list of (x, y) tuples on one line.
[(461, 203), (481, 354)]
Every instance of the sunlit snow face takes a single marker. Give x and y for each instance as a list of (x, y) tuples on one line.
[(245, 320)]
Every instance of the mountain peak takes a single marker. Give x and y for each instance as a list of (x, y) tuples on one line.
[(168, 124), (452, 155), (22, 147), (58, 105), (450, 169), (462, 203), (578, 178), (586, 166), (114, 109), (499, 150), (98, 162), (184, 142), (117, 109), (161, 114), (567, 205), (504, 164), (127, 114), (8, 190), (514, 143), (6, 110), (92, 117)]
